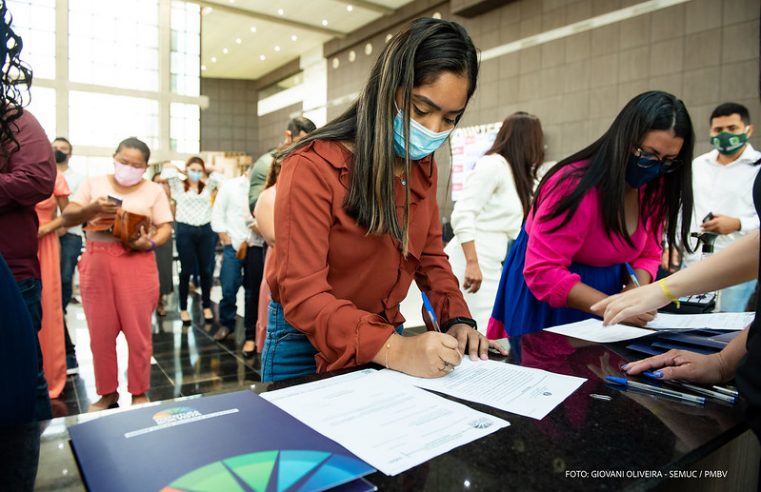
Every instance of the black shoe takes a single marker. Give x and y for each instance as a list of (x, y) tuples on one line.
[(222, 333), (249, 354), (72, 366)]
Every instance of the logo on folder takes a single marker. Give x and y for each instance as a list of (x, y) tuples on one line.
[(175, 414)]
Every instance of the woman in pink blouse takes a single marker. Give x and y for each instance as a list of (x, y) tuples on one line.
[(595, 211)]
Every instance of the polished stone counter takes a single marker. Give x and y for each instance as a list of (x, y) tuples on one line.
[(631, 442)]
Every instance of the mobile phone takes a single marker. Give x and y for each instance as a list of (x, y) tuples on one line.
[(709, 216), (505, 344), (117, 201)]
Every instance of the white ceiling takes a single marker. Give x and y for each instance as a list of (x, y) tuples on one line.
[(224, 22)]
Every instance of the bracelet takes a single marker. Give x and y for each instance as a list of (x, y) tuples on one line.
[(153, 244), (388, 349), (666, 292)]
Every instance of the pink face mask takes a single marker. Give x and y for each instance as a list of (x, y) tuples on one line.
[(127, 175)]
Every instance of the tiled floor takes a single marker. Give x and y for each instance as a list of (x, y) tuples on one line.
[(186, 361)]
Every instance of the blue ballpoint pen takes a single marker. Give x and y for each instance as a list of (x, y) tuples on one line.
[(655, 390), (632, 275), (429, 308)]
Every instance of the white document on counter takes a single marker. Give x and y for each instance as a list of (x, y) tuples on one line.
[(391, 426), (592, 330), (716, 321), (523, 390)]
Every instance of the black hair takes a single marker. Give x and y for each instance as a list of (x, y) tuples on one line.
[(135, 143), (15, 80), (730, 108), (416, 56), (605, 169), (66, 141), (301, 124)]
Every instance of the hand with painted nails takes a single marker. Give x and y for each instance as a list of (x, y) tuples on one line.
[(631, 305), (684, 365)]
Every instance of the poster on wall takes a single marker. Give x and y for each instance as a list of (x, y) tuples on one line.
[(468, 145)]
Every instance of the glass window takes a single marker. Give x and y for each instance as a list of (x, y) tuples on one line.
[(34, 21), (114, 43), (92, 165), (184, 128), (42, 106), (185, 58), (105, 120)]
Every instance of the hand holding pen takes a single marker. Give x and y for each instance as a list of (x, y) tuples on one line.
[(683, 365)]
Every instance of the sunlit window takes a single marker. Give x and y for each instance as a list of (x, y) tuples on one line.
[(34, 21), (184, 127), (92, 165), (42, 106), (105, 120), (185, 49), (114, 43)]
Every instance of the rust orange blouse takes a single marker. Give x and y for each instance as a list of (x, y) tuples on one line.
[(339, 286)]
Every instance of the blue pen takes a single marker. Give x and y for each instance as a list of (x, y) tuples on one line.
[(655, 390), (429, 308), (696, 389), (632, 275)]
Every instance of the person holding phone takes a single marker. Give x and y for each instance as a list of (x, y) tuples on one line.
[(119, 283), (356, 220)]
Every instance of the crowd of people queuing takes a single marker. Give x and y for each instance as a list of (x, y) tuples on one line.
[(327, 231)]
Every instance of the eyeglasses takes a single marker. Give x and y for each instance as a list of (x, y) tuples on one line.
[(647, 160)]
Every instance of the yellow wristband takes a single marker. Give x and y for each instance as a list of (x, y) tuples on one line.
[(666, 292)]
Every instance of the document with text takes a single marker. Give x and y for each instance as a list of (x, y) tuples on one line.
[(716, 321), (391, 426), (523, 390)]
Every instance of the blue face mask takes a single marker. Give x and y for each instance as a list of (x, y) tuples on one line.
[(195, 176), (423, 142), (641, 170)]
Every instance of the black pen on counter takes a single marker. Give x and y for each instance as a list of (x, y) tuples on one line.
[(656, 390), (695, 389)]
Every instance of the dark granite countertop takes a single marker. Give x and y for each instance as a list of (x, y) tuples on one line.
[(635, 437)]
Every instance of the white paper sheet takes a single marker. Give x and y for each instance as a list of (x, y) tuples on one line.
[(391, 426), (593, 331), (522, 390), (717, 321)]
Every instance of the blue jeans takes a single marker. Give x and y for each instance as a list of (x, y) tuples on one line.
[(71, 248), (195, 245), (231, 278), (31, 291), (287, 352), (735, 298)]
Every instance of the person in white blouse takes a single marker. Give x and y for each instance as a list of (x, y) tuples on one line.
[(243, 255), (495, 199), (194, 237), (722, 182)]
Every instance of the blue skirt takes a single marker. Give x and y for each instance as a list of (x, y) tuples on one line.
[(517, 311)]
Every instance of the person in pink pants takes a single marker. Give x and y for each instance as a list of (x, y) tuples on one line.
[(119, 283)]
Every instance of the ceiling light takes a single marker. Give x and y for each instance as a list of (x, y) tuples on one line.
[(214, 59), (206, 10), (349, 8), (277, 48), (203, 67), (253, 29), (225, 51), (294, 38), (280, 11), (238, 40), (324, 22), (232, 1), (262, 57)]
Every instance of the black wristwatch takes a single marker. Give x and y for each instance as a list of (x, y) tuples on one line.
[(456, 321)]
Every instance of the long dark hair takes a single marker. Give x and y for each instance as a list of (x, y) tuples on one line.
[(416, 56), (195, 160), (664, 198), (15, 80), (521, 142)]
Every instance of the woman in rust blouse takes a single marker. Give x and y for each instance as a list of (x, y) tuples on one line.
[(356, 221)]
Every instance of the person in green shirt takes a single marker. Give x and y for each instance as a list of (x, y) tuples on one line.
[(297, 129)]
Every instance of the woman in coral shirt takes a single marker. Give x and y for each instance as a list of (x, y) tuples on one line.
[(357, 220)]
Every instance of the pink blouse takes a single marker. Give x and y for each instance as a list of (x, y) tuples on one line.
[(582, 240)]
